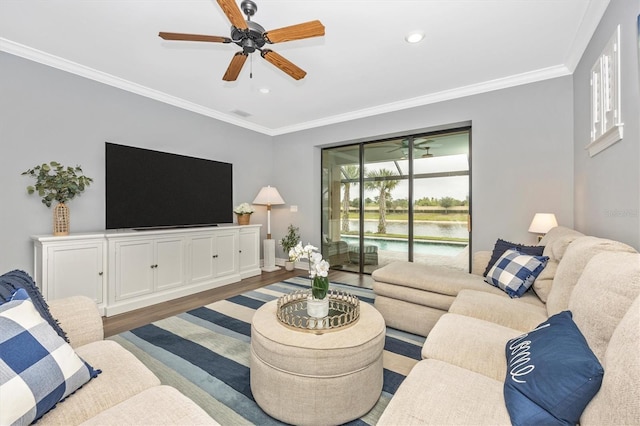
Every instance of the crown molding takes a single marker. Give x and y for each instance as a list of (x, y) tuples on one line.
[(44, 58), (446, 95), (590, 21)]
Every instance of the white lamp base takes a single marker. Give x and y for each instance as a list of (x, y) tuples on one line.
[(269, 247)]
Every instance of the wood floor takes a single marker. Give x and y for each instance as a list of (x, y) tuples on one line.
[(123, 322)]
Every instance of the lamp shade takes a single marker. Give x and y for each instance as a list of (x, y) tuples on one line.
[(268, 196), (542, 222)]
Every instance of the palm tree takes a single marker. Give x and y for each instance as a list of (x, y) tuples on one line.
[(380, 182), (349, 173)]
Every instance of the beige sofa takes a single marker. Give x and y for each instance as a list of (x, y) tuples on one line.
[(126, 392), (461, 378), (412, 296)]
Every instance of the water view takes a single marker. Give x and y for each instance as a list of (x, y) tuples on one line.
[(432, 229), (419, 247)]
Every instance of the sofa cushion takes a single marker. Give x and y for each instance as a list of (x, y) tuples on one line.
[(607, 287), (557, 241), (523, 313), (551, 374), (447, 281), (559, 232), (407, 316), (514, 272), (455, 337), (439, 393), (578, 254), (123, 376), (501, 246), (159, 405), (16, 279), (39, 368), (617, 401)]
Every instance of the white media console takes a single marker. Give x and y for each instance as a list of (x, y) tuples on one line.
[(126, 270)]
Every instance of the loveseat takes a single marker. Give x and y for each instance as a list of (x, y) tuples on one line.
[(492, 359), (124, 392)]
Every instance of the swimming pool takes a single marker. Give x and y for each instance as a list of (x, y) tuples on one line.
[(419, 247)]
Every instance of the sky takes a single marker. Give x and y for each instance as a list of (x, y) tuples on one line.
[(436, 187)]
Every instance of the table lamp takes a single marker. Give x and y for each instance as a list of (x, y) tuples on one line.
[(541, 224), (269, 196)]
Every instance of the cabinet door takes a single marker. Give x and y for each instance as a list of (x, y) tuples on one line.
[(226, 253), (74, 270), (201, 258), (134, 268), (249, 249), (169, 263)]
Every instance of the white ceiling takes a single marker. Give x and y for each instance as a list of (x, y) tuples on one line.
[(361, 67)]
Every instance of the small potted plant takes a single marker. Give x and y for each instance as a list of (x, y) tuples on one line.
[(288, 242), (62, 184), (243, 212)]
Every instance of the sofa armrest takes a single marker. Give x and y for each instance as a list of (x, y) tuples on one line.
[(480, 262), (79, 318)]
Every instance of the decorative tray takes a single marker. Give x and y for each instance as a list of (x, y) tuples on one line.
[(344, 311)]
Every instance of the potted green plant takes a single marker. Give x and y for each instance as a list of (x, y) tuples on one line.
[(288, 242), (55, 182)]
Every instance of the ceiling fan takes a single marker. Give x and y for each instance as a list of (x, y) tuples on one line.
[(427, 154), (251, 36), (417, 144)]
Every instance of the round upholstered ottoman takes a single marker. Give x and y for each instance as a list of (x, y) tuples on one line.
[(304, 378)]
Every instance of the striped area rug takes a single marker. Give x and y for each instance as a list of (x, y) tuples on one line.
[(205, 354)]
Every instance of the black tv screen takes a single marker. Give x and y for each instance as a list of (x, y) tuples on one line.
[(152, 189)]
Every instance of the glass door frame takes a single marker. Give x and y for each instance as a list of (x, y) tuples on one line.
[(410, 177)]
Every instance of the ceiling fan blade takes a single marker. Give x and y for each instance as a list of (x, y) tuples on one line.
[(231, 9), (235, 66), (194, 37), (295, 32), (285, 65)]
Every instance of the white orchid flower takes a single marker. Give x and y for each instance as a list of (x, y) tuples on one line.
[(322, 268)]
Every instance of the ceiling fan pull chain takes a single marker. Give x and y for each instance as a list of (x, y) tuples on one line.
[(251, 66)]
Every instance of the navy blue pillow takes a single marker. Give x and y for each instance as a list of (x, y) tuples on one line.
[(501, 246), (16, 279), (552, 374)]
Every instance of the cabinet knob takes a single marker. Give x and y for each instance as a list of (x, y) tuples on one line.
[(215, 256), (100, 273)]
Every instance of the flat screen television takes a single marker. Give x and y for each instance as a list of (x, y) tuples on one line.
[(148, 189)]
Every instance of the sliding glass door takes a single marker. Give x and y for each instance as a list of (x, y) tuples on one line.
[(404, 198)]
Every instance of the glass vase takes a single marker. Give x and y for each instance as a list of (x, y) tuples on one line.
[(318, 301)]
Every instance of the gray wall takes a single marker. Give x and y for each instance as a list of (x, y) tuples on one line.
[(47, 114), (607, 186), (522, 152)]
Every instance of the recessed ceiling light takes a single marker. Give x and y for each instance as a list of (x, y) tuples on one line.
[(414, 37), (264, 90)]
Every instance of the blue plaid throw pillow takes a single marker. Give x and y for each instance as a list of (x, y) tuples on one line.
[(37, 367), (515, 272)]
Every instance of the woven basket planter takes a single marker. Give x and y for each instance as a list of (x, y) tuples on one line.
[(243, 219), (61, 219)]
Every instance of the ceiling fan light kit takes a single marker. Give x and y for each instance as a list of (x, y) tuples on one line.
[(251, 36)]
